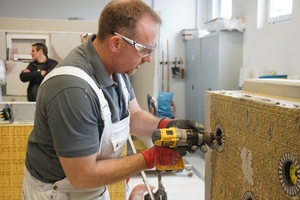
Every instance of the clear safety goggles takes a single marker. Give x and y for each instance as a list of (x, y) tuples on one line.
[(142, 49)]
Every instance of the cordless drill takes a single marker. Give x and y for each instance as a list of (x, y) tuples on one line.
[(183, 140)]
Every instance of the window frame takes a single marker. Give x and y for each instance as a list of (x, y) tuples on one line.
[(28, 39), (281, 18)]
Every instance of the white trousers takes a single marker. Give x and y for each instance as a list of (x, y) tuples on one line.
[(34, 189)]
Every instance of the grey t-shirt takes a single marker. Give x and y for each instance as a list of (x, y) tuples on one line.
[(68, 117)]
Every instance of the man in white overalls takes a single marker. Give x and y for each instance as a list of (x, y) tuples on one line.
[(86, 108)]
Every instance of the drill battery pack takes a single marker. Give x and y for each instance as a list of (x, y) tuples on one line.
[(179, 166)]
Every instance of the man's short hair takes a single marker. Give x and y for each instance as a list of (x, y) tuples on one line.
[(42, 46), (123, 16)]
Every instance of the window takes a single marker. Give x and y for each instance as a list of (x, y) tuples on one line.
[(20, 44), (221, 8), (226, 8), (279, 10)]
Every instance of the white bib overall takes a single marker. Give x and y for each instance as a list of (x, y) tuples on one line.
[(113, 138)]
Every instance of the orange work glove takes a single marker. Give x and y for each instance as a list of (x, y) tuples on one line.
[(161, 156)]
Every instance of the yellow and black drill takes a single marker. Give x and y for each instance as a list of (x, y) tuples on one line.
[(183, 140)]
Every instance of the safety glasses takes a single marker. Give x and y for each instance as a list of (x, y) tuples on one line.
[(142, 49)]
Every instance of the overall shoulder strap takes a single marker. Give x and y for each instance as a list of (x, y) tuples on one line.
[(75, 71)]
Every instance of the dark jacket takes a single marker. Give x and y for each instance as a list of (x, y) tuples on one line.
[(34, 76)]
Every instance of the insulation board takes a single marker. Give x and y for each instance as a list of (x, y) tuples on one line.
[(259, 157)]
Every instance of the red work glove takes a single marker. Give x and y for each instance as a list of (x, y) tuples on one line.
[(161, 156)]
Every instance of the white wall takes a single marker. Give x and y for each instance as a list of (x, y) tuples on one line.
[(176, 15), (272, 47), (54, 9)]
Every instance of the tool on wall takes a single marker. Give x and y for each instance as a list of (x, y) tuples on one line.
[(175, 70), (162, 71), (182, 71), (168, 68), (7, 114), (178, 72), (162, 95)]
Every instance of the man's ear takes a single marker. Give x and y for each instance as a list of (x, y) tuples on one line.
[(114, 43)]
